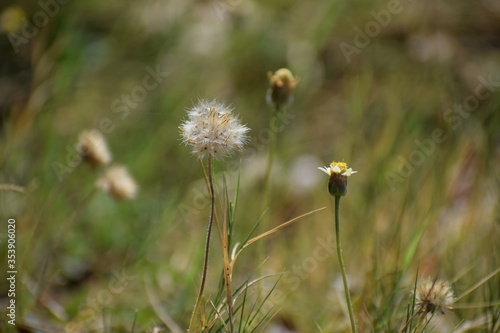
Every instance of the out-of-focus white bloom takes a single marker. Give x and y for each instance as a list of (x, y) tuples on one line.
[(118, 183), (93, 148), (433, 296)]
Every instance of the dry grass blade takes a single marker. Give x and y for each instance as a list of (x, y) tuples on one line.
[(227, 261), (267, 233), (227, 278), (477, 285), (162, 314), (220, 311), (218, 316), (476, 305), (245, 287), (45, 299), (473, 325), (12, 187)]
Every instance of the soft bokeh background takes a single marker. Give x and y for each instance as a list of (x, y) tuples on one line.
[(416, 206)]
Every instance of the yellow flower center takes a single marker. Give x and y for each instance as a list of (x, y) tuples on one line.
[(342, 166)]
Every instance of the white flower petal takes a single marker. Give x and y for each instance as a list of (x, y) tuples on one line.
[(349, 172), (326, 170), (335, 169)]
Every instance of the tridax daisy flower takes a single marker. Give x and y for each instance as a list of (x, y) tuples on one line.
[(281, 85), (118, 183), (93, 148), (212, 130), (433, 296), (338, 172)]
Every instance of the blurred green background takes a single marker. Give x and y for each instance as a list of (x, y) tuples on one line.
[(410, 101)]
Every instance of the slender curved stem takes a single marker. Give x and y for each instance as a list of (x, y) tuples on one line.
[(194, 315), (270, 157), (354, 327), (269, 165), (266, 203)]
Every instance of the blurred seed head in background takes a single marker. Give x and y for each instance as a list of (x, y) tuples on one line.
[(118, 183), (281, 86), (93, 148), (433, 296)]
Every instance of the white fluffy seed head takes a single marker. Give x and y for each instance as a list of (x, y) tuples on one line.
[(433, 295), (118, 183), (93, 148), (212, 130)]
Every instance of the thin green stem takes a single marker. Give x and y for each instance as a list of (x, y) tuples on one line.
[(354, 327), (194, 315), (270, 158), (266, 203)]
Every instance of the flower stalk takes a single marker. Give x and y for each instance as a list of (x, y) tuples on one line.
[(279, 94), (354, 327), (338, 173), (212, 131), (207, 247)]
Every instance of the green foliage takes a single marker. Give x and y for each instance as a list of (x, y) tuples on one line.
[(425, 201)]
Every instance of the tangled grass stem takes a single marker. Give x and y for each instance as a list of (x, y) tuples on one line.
[(354, 327), (194, 315)]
